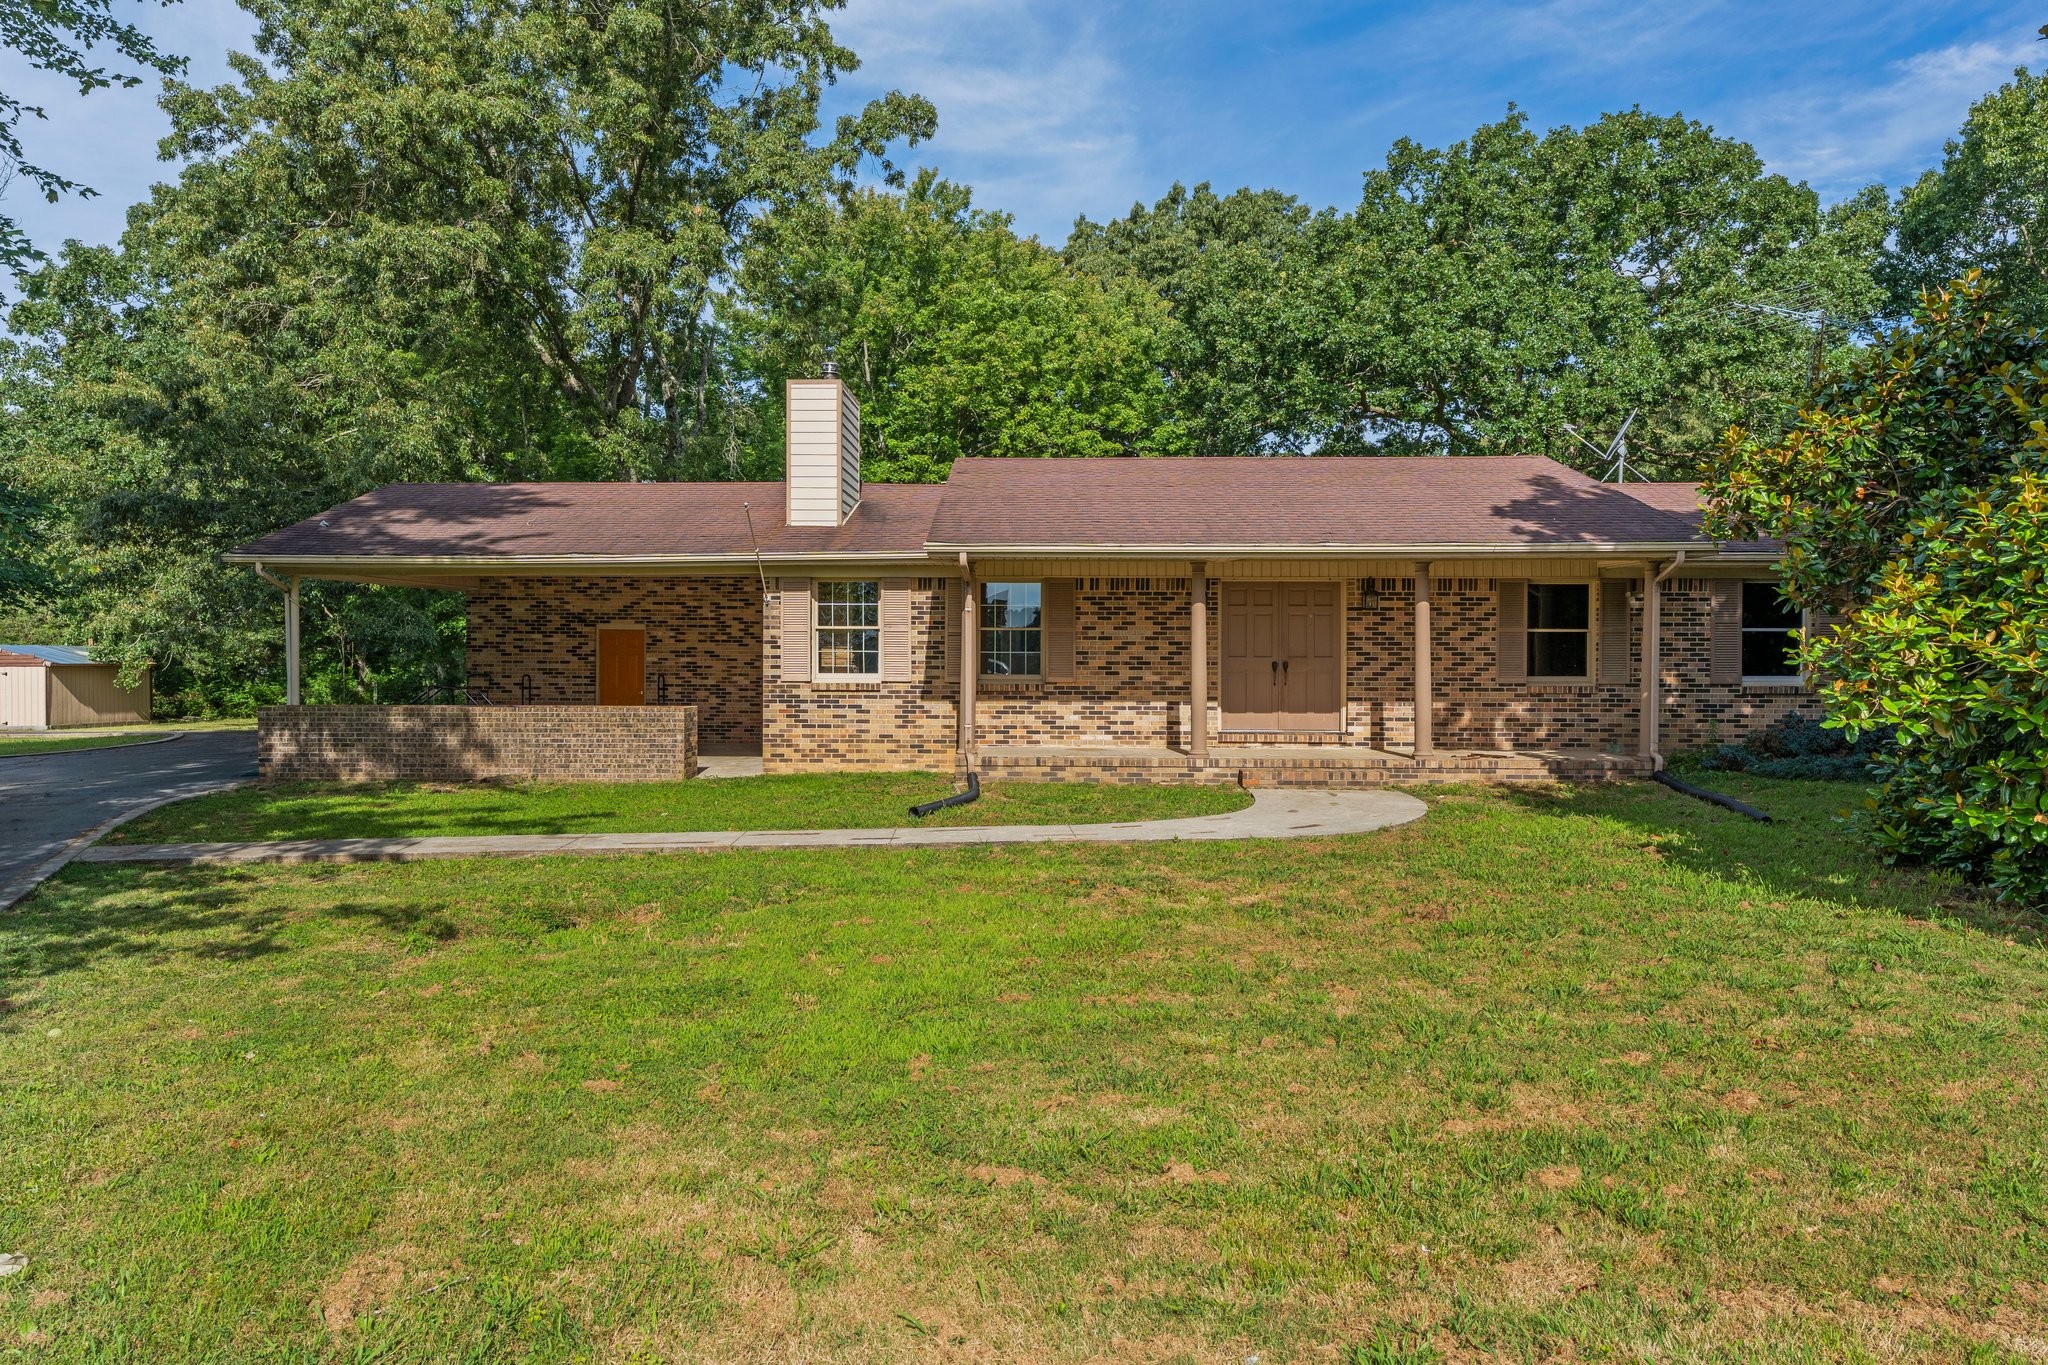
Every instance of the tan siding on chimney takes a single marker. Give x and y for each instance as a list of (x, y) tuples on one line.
[(813, 446)]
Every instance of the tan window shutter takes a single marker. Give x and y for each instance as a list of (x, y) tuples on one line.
[(956, 602), (1614, 631), (1513, 599), (1057, 601), (895, 630), (795, 632), (1724, 646)]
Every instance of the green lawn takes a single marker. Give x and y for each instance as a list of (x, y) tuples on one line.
[(830, 801), (13, 746), (1600, 1073)]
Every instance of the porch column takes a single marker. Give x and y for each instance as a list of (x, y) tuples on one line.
[(970, 658), (1198, 689), (291, 642), (1653, 662), (1425, 740)]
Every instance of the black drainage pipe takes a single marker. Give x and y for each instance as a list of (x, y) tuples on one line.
[(1711, 798), (973, 793)]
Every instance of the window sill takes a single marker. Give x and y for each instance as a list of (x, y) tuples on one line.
[(1774, 685), (1560, 684), (846, 684), (1007, 683)]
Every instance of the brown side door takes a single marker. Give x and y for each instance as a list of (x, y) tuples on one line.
[(1311, 658), (621, 666), (1251, 658)]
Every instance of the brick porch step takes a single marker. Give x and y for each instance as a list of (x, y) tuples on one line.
[(1334, 766)]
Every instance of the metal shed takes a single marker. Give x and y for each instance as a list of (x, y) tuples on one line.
[(49, 687)]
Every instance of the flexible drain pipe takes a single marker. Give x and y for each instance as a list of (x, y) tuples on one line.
[(1712, 798), (973, 793)]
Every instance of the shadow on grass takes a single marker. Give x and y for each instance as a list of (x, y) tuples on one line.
[(89, 915), (1808, 851)]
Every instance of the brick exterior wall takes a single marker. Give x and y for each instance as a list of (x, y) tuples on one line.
[(476, 743), (1130, 684), (703, 643), (827, 726), (710, 638), (1697, 712)]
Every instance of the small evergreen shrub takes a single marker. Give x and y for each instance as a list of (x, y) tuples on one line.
[(1795, 746)]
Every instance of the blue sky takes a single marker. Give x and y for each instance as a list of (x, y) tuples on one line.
[(1053, 108)]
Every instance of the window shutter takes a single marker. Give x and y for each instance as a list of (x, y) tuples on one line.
[(1614, 631), (895, 630), (1724, 647), (956, 602), (1513, 629), (795, 633), (1056, 599)]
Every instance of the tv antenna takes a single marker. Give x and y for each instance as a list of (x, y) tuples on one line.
[(1616, 454)]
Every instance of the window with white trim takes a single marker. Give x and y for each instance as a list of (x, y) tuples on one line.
[(1770, 648), (1012, 630), (1560, 630), (849, 630)]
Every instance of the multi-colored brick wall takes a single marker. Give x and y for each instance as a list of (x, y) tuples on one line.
[(476, 743), (824, 725), (1698, 711), (1130, 683), (706, 637), (703, 643)]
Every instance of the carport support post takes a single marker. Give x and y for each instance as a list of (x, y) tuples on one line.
[(1425, 740), (1198, 685), (291, 641)]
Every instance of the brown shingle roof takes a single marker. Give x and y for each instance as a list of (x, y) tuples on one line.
[(612, 520), (1683, 499), (1494, 501)]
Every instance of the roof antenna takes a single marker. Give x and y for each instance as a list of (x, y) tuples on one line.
[(759, 568), (1616, 453)]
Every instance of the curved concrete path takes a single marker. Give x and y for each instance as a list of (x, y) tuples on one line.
[(1273, 814)]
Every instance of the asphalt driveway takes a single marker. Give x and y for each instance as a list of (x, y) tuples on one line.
[(47, 800)]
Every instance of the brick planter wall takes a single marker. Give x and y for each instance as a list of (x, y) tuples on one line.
[(476, 743)]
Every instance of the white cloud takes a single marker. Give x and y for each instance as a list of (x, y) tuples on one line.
[(1839, 139), (1030, 97)]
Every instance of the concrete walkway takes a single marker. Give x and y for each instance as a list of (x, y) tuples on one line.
[(1273, 814)]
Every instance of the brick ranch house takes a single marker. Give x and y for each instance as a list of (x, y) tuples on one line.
[(1317, 619)]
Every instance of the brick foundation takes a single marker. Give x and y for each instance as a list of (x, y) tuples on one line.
[(476, 743)]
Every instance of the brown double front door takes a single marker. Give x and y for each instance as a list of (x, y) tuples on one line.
[(1283, 656)]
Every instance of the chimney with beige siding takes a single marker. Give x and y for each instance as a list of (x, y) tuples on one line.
[(822, 451)]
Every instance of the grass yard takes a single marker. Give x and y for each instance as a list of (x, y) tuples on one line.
[(804, 801), (45, 742), (1599, 1073)]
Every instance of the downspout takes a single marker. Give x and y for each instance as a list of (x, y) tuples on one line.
[(970, 662), (1653, 661)]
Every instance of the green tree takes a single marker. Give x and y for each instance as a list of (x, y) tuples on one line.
[(1986, 207), (1912, 495), (447, 240), (1483, 295), (59, 36), (1243, 277), (958, 337)]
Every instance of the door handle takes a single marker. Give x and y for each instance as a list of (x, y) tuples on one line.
[(1283, 667), (1276, 665)]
